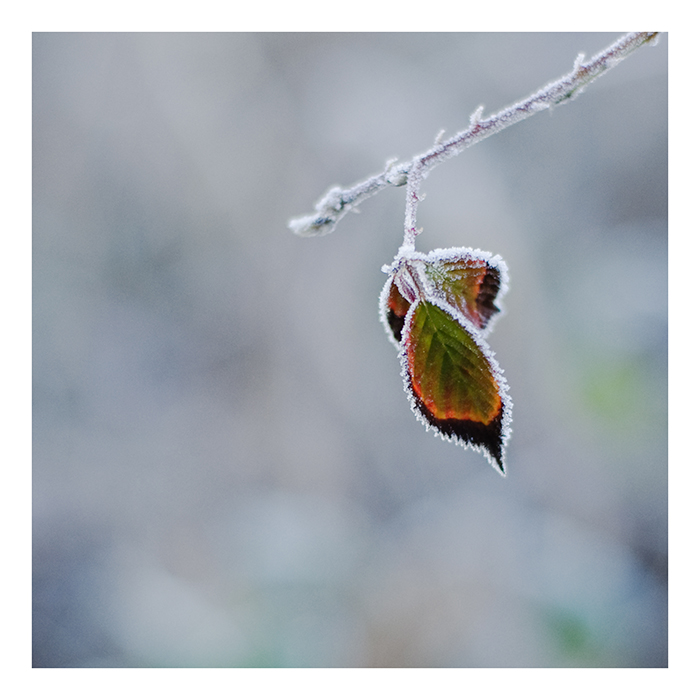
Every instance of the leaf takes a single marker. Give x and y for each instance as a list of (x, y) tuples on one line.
[(455, 383), (396, 309), (469, 280)]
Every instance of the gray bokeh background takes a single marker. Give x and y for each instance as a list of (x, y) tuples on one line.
[(226, 468)]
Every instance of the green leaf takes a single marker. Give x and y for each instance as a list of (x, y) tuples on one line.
[(469, 283), (455, 383)]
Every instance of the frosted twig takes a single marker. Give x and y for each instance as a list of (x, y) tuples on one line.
[(337, 201)]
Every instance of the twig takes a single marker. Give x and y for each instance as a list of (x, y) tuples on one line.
[(337, 201)]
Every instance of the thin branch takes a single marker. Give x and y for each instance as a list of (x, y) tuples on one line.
[(415, 175), (337, 201)]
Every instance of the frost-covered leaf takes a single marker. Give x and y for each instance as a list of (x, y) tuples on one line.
[(454, 380), (469, 280), (437, 309), (396, 309)]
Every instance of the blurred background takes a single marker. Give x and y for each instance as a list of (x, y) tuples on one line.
[(226, 468)]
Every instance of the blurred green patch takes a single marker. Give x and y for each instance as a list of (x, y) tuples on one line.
[(570, 632), (611, 388), (620, 392), (576, 641)]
